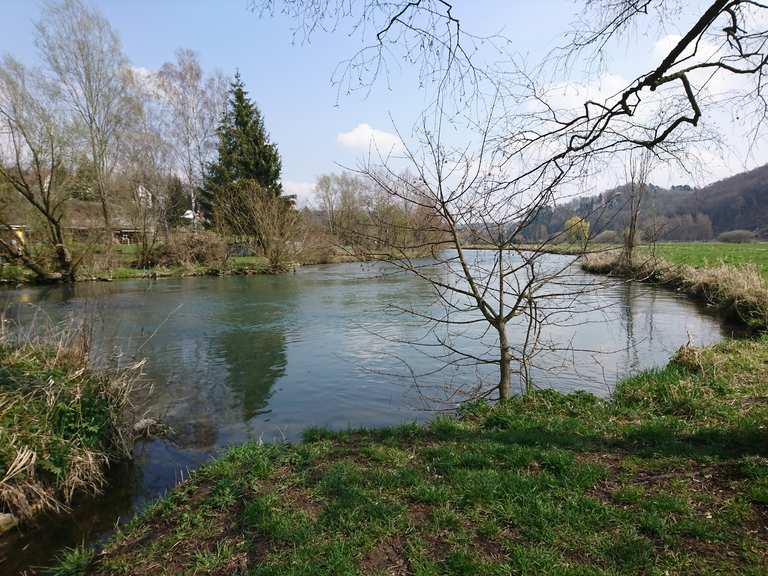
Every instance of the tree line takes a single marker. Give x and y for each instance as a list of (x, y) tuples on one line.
[(153, 150)]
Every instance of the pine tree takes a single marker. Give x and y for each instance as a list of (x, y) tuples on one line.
[(245, 153)]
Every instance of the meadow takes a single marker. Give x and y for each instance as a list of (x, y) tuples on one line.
[(711, 254)]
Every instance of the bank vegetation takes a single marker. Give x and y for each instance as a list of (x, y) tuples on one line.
[(62, 422)]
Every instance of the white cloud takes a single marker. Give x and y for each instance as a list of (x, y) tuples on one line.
[(664, 46), (364, 137), (304, 191)]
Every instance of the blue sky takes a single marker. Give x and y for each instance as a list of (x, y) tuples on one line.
[(291, 81)]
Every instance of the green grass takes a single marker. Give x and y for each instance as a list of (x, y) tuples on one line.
[(711, 254), (235, 265), (696, 254), (668, 477)]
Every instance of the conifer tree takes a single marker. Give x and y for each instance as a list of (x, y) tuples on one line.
[(246, 156)]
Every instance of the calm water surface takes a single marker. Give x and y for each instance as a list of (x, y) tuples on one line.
[(261, 357)]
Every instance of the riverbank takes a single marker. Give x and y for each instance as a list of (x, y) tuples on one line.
[(740, 292), (61, 424), (669, 476), (235, 266)]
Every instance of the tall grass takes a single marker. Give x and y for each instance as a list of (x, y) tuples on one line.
[(61, 421)]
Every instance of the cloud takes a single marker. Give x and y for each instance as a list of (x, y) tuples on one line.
[(304, 191), (364, 137), (663, 46)]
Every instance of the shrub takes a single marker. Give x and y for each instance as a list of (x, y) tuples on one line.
[(608, 237), (737, 236), (577, 230), (198, 249)]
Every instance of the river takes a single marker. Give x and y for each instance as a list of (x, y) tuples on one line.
[(263, 357)]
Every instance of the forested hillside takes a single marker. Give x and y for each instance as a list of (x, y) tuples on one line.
[(739, 202)]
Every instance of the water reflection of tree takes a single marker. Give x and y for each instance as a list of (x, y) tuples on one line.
[(627, 293), (255, 360)]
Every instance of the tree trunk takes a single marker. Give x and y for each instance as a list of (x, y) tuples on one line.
[(18, 254), (504, 362)]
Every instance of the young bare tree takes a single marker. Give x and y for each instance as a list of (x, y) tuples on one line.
[(194, 103), (34, 151), (272, 220), (638, 171), (502, 295), (84, 58)]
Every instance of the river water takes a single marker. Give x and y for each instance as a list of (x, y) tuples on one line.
[(264, 357)]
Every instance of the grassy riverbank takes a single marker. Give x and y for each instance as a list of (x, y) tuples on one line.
[(739, 291), (668, 477), (61, 423), (693, 254)]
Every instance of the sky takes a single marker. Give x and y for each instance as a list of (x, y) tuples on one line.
[(316, 128)]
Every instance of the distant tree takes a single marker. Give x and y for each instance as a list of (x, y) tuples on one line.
[(177, 202), (245, 153), (33, 168), (638, 170), (82, 184), (737, 236), (194, 102), (271, 219), (577, 230)]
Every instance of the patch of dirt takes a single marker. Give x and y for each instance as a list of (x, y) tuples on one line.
[(420, 514), (437, 546), (386, 558)]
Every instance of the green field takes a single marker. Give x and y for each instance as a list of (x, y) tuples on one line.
[(710, 254)]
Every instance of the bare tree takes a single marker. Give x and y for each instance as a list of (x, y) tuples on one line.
[(480, 294), (147, 163), (328, 197), (33, 160), (195, 103), (273, 220), (84, 57), (638, 170)]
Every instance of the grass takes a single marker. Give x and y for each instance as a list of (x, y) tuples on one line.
[(712, 254), (61, 423), (234, 266), (670, 476)]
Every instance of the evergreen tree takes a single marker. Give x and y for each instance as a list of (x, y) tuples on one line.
[(177, 202), (245, 153)]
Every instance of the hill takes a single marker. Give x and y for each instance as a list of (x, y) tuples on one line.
[(739, 202)]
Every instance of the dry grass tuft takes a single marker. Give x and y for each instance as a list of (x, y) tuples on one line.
[(61, 422)]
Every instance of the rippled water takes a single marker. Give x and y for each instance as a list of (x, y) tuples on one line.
[(264, 357)]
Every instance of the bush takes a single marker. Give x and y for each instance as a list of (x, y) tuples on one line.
[(737, 236), (198, 249), (608, 237)]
